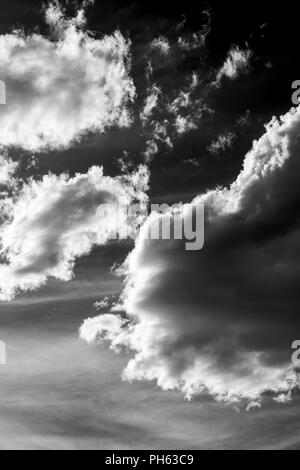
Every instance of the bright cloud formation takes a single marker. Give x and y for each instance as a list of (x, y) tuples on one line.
[(72, 79), (201, 322), (52, 222)]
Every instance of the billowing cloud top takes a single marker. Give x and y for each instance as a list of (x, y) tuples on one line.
[(72, 79), (204, 322)]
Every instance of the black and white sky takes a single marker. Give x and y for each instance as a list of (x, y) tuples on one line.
[(122, 344)]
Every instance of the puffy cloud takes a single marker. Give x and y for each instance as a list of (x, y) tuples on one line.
[(283, 398), (237, 62), (220, 321), (161, 44), (62, 87), (104, 328), (50, 223)]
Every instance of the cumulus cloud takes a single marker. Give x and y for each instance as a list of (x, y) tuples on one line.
[(216, 321), (61, 87), (50, 223), (236, 63)]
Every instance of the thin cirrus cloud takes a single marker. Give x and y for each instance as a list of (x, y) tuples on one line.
[(216, 321), (72, 79), (222, 143), (151, 102), (166, 117), (236, 63), (50, 223)]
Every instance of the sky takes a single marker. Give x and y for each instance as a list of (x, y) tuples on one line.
[(141, 344)]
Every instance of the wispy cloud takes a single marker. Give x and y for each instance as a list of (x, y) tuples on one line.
[(236, 63), (222, 143)]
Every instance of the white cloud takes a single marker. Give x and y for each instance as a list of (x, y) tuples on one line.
[(187, 109), (253, 405), (101, 304), (236, 63), (52, 222), (162, 45), (62, 87), (201, 322), (184, 124), (283, 398), (105, 328), (222, 143), (150, 104), (159, 135)]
